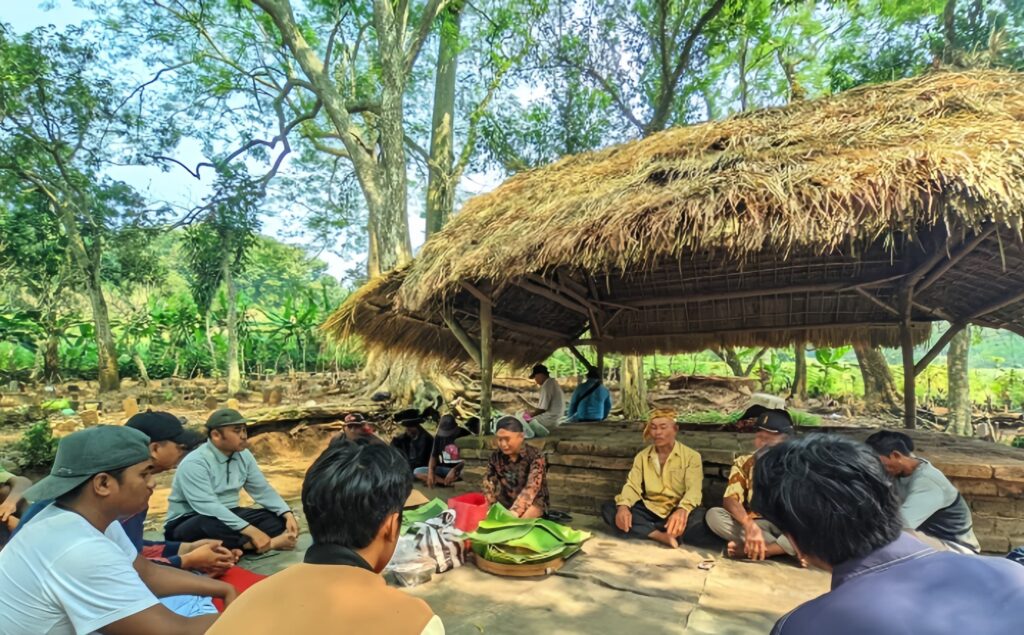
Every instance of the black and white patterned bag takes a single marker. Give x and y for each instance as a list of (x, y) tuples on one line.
[(439, 540)]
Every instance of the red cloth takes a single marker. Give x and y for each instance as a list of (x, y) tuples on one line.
[(239, 578)]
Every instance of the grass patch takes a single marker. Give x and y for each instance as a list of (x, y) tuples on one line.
[(717, 418)]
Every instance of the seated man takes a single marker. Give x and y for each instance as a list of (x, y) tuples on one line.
[(73, 570), (748, 535), (550, 404), (662, 489), (516, 472), (930, 504), (356, 428), (414, 443), (12, 503), (204, 495), (352, 496), (591, 401), (832, 497), (444, 455), (168, 443)]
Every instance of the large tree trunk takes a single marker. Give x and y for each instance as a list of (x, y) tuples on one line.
[(88, 263), (960, 407), (879, 387), (51, 358), (109, 376), (441, 182), (234, 375), (799, 394), (633, 388)]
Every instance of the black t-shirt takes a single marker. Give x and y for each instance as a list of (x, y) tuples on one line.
[(416, 451), (440, 443)]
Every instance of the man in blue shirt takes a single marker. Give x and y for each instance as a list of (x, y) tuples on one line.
[(837, 505), (591, 401)]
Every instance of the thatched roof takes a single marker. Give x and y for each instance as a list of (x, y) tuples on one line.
[(760, 229)]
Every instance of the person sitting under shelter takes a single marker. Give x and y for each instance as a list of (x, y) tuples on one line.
[(663, 487), (832, 496), (516, 472), (357, 428), (414, 443), (352, 496), (748, 535), (591, 401), (930, 504), (550, 407), (12, 503), (73, 570), (204, 495), (445, 462)]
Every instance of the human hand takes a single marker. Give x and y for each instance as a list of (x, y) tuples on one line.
[(676, 524), (187, 547), (623, 518), (291, 526), (754, 541), (7, 509), (260, 541), (229, 594), (431, 479), (209, 558)]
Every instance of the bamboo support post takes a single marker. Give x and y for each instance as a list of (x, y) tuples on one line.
[(486, 363), (907, 346)]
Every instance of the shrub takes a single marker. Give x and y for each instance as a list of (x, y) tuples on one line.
[(37, 448)]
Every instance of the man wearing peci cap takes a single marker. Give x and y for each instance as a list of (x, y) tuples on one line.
[(748, 535), (204, 496), (73, 570), (551, 402)]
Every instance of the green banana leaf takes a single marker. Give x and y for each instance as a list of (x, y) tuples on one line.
[(503, 537), (422, 513)]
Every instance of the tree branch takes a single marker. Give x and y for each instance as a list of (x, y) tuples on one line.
[(432, 9)]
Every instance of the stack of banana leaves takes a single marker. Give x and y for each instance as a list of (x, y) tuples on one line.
[(422, 514), (505, 538)]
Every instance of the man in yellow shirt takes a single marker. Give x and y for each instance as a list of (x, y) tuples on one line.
[(748, 535), (662, 489)]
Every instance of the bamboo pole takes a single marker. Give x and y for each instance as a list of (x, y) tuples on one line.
[(486, 363), (907, 346)]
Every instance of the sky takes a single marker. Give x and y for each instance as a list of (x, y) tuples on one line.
[(177, 187)]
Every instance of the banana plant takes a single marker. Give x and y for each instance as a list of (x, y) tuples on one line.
[(830, 360)]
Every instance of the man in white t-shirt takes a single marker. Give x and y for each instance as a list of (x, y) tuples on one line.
[(73, 570), (550, 408)]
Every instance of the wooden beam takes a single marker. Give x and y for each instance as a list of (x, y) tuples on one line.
[(998, 304), (578, 355), (544, 292), (919, 271), (480, 296), (798, 330), (600, 362), (486, 364), (525, 329), (884, 305), (561, 288), (934, 351), (964, 250), (464, 339), (907, 347)]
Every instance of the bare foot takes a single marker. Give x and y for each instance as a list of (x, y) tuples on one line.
[(735, 550), (284, 542), (664, 538)]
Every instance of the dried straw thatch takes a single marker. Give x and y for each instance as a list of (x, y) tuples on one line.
[(739, 232)]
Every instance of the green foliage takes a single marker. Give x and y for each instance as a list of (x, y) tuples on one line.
[(37, 448)]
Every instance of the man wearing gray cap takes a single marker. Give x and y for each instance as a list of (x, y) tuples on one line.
[(73, 570), (204, 496)]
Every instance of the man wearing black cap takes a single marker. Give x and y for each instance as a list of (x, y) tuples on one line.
[(748, 535), (204, 496), (73, 569), (414, 443), (551, 402)]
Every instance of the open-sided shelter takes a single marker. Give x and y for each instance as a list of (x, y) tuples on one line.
[(861, 217)]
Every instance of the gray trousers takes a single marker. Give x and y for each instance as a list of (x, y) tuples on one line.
[(725, 526)]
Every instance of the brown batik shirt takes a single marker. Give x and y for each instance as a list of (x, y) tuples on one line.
[(517, 484)]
